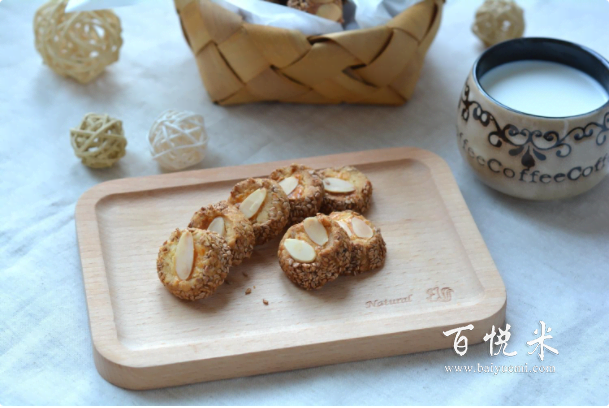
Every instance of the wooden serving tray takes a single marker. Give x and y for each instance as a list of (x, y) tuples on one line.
[(438, 275)]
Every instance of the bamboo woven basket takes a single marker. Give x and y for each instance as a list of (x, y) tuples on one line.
[(242, 63)]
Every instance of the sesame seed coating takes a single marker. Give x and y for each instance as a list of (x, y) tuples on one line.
[(306, 198), (274, 212), (331, 259), (239, 232), (366, 253), (210, 266), (358, 200)]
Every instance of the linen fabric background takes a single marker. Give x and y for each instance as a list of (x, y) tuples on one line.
[(552, 256)]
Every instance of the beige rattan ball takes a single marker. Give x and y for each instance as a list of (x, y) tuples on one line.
[(79, 45), (497, 21), (99, 140), (178, 139)]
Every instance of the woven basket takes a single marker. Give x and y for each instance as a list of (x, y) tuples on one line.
[(242, 63)]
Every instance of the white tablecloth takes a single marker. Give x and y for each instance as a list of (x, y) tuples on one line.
[(552, 256)]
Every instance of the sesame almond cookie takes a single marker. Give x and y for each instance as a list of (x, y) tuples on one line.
[(264, 203), (193, 263), (229, 223), (304, 189), (368, 250), (314, 252), (345, 188), (330, 9)]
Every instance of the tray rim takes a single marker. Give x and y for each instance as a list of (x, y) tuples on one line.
[(111, 356)]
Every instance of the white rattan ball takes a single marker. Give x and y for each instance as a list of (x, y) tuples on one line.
[(178, 139), (497, 21)]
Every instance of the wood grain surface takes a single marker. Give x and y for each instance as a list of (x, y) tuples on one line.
[(439, 275)]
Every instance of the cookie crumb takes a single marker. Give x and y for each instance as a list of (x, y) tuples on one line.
[(266, 302), (245, 274), (248, 291)]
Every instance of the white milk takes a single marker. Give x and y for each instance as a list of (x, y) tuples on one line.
[(544, 88)]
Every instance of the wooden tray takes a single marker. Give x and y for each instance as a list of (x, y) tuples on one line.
[(438, 275)]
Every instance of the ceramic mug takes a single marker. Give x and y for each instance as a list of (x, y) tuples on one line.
[(529, 156)]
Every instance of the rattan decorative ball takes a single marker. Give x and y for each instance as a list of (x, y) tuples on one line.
[(78, 45), (178, 139), (497, 21), (99, 140)]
